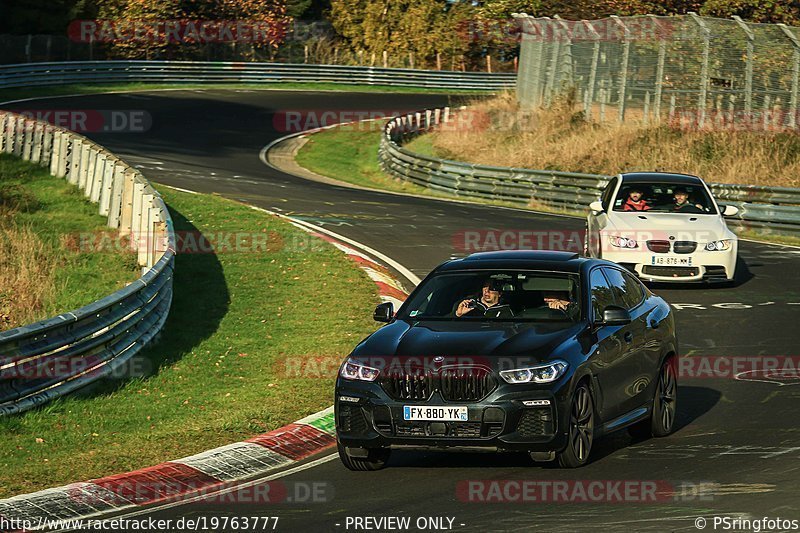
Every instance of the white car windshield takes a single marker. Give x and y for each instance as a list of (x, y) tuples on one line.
[(664, 198), (496, 295)]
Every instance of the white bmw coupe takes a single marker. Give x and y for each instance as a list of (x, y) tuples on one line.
[(663, 227)]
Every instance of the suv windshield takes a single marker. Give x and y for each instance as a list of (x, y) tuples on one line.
[(496, 295), (664, 198)]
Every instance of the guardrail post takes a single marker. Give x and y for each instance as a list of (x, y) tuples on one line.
[(55, 152), (38, 131), (623, 75), (19, 132), (126, 208), (75, 161), (63, 154), (701, 102), (748, 69), (136, 217), (795, 73), (104, 197), (8, 145), (115, 200), (86, 176), (80, 179), (27, 138), (96, 181), (145, 230), (47, 145)]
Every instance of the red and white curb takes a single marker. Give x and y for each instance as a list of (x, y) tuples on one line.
[(214, 470)]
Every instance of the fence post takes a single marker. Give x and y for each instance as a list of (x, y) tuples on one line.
[(701, 102), (662, 54), (646, 117), (593, 70), (553, 66), (623, 76), (748, 69), (795, 73)]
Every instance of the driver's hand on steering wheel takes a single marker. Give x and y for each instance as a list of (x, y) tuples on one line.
[(554, 303)]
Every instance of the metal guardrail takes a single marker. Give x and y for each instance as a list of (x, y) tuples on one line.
[(43, 74), (767, 210), (50, 358)]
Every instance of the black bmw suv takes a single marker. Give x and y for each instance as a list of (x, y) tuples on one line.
[(532, 351)]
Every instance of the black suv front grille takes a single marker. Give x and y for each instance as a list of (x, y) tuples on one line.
[(458, 384), (408, 385), (465, 384)]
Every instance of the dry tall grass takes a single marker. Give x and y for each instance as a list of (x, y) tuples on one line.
[(497, 132), (27, 271)]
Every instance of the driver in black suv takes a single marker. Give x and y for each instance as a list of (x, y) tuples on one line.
[(489, 303)]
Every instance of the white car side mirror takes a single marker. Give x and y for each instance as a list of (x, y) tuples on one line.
[(730, 211), (596, 206)]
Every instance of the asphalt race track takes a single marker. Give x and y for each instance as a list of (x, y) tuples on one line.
[(736, 450)]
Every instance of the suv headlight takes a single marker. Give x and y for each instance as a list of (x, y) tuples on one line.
[(622, 242), (719, 246), (354, 370), (545, 373)]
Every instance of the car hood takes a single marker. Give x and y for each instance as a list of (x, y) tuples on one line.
[(468, 339), (701, 228)]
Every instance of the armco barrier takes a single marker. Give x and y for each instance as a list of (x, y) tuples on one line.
[(767, 210), (42, 74), (48, 359)]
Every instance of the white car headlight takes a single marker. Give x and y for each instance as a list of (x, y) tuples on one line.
[(546, 373), (623, 242), (354, 370), (719, 246)]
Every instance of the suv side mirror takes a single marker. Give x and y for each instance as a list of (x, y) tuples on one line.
[(596, 206), (384, 312), (729, 210), (614, 315)]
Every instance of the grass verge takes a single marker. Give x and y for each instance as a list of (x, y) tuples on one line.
[(44, 270), (61, 90), (228, 365)]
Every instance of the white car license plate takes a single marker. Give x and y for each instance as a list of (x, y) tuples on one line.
[(672, 261), (435, 413)]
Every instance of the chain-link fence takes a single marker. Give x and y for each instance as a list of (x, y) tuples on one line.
[(694, 72)]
